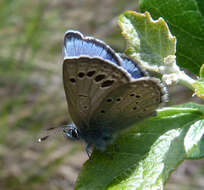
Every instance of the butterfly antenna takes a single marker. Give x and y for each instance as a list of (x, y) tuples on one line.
[(43, 138), (58, 127), (52, 131)]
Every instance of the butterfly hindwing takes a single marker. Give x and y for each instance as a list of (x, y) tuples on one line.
[(87, 81), (129, 104)]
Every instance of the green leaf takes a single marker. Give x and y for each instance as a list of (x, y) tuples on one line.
[(199, 88), (193, 140), (202, 72), (185, 20), (149, 41), (148, 152), (201, 6)]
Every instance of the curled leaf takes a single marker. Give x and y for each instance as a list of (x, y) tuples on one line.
[(149, 41)]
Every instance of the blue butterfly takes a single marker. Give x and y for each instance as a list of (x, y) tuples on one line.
[(106, 91)]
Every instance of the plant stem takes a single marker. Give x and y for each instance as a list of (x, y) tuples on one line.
[(186, 80)]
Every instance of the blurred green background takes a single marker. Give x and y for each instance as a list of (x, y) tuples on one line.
[(32, 95)]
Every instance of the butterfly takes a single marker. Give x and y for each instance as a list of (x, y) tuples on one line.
[(106, 91)]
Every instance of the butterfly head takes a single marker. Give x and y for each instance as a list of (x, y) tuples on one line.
[(71, 132)]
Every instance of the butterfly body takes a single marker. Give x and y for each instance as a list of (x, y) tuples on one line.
[(105, 91)]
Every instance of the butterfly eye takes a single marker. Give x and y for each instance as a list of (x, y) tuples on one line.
[(134, 108), (137, 96), (71, 132), (74, 133), (132, 94)]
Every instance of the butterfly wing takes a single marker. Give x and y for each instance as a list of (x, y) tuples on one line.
[(87, 81), (133, 67), (129, 104), (88, 74), (98, 86), (76, 45)]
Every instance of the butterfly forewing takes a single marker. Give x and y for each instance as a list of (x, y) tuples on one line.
[(76, 45), (87, 81), (129, 104)]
